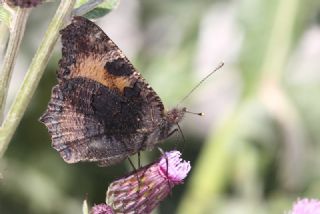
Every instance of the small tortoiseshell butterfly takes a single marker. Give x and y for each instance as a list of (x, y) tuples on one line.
[(102, 110)]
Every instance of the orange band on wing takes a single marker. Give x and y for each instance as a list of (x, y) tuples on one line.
[(92, 67)]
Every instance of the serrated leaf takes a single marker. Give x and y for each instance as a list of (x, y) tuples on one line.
[(101, 10), (5, 16)]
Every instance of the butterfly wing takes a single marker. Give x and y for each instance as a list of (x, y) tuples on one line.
[(102, 110)]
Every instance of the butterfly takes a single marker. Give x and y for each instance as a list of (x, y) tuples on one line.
[(102, 110)]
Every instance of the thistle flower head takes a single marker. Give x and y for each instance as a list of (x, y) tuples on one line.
[(143, 190), (23, 3), (101, 209), (306, 206)]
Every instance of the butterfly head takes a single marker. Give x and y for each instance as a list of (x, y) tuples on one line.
[(175, 115)]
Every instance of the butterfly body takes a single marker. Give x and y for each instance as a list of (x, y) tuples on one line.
[(102, 110)]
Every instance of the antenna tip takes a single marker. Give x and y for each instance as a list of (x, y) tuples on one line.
[(190, 112)]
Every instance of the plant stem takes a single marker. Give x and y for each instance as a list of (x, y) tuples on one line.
[(212, 170), (280, 40), (17, 28), (4, 33), (34, 74), (211, 174)]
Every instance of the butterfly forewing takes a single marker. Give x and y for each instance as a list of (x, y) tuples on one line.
[(102, 110)]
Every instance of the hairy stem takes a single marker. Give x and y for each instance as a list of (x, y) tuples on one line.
[(17, 28), (33, 75)]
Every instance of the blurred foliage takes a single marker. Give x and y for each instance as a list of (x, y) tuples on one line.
[(5, 16), (256, 151), (99, 11)]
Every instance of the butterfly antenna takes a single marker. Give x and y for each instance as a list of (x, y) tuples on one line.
[(204, 79), (195, 113)]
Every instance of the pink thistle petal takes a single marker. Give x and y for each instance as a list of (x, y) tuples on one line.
[(178, 169), (143, 190), (101, 209), (306, 206)]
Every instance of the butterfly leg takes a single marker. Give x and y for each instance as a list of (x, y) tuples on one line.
[(132, 165), (136, 171), (183, 138), (139, 159), (167, 164), (172, 132), (175, 130)]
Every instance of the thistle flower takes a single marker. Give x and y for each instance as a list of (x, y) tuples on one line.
[(143, 190), (306, 206), (101, 209), (23, 3)]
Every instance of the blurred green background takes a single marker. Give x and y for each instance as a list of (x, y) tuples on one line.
[(257, 148)]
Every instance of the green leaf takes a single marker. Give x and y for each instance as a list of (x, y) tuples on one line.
[(93, 9), (5, 16)]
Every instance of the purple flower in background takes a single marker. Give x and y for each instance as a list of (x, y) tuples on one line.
[(143, 190), (101, 209), (306, 206)]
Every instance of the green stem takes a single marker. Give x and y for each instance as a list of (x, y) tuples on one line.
[(212, 171), (280, 40), (4, 35), (17, 28), (34, 74)]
